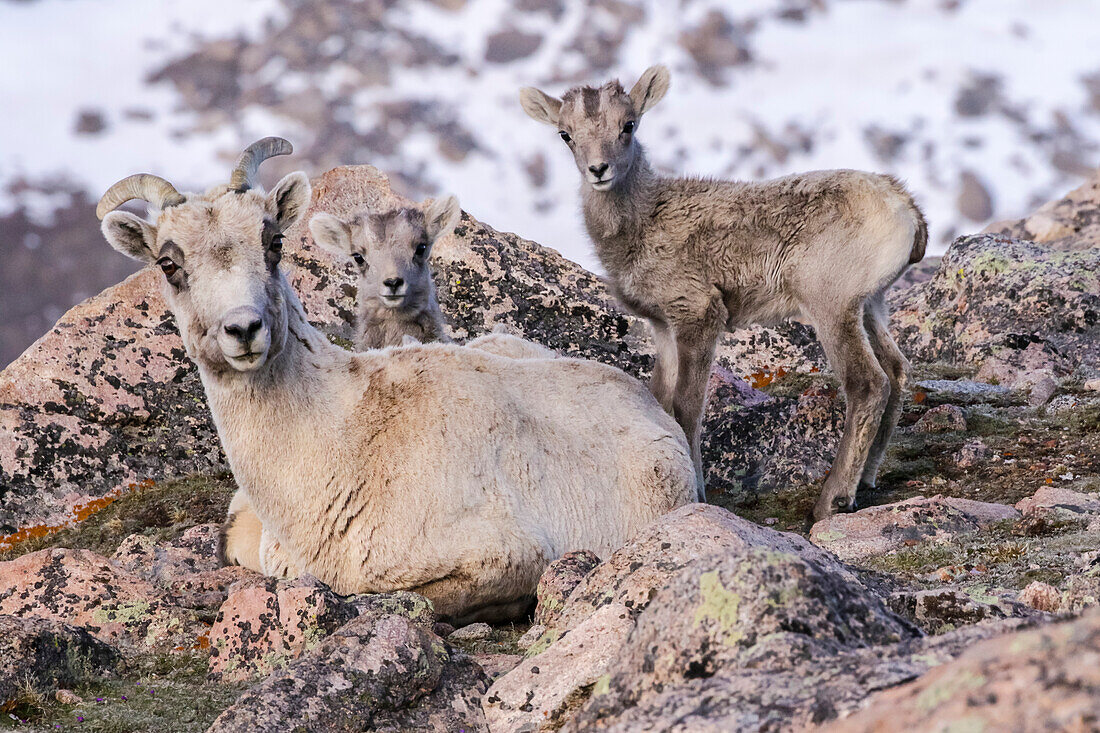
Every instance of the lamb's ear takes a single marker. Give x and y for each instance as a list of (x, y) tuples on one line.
[(331, 233), (441, 217), (540, 106), (650, 88), (408, 340), (130, 235), (289, 199)]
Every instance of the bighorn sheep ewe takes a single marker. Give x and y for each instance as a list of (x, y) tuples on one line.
[(696, 257), (436, 468), (397, 301)]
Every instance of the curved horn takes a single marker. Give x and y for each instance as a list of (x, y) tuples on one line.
[(254, 154), (144, 186)]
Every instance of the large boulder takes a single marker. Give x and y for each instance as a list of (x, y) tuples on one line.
[(46, 654), (1069, 223), (1024, 306), (384, 672), (1038, 680), (108, 398), (82, 588)]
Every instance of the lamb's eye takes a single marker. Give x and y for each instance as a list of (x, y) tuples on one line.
[(277, 243), (358, 258), (168, 267), (565, 136), (628, 128), (421, 249)]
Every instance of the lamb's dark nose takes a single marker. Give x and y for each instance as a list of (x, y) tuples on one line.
[(598, 170), (393, 283)]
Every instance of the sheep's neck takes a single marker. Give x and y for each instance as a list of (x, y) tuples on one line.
[(615, 219)]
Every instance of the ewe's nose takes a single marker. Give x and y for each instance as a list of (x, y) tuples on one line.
[(598, 170), (243, 324), (393, 283)]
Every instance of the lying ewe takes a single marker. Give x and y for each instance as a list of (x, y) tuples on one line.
[(697, 256), (436, 468), (397, 301)]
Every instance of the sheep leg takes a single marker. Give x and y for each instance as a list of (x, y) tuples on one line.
[(866, 390), (239, 538), (663, 382), (876, 321), (275, 562), (695, 344)]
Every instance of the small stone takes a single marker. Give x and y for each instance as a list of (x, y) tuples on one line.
[(473, 632), (1041, 596), (558, 581), (942, 419), (442, 628), (532, 635), (67, 697), (1092, 385), (973, 453)]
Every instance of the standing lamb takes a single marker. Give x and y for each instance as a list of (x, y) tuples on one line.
[(696, 257), (397, 301), (435, 468)]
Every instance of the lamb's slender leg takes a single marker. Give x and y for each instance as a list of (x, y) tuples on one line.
[(695, 343), (876, 321), (866, 391), (663, 382)]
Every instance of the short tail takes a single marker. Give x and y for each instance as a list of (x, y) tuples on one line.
[(920, 236)]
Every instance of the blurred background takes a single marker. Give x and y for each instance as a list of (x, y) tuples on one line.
[(985, 107)]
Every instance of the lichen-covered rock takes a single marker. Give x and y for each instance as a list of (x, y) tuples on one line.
[(942, 609), (941, 419), (1041, 596), (1063, 500), (558, 581), (973, 452), (999, 297), (1039, 680), (266, 623), (384, 673), (471, 632), (879, 529), (645, 564), (544, 690), (1071, 222), (84, 589), (108, 398), (46, 653)]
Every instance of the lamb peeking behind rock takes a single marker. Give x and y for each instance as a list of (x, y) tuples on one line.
[(396, 292), (438, 469)]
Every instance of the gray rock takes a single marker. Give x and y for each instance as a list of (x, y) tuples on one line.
[(47, 654), (941, 419), (471, 632), (941, 609), (559, 579), (965, 390)]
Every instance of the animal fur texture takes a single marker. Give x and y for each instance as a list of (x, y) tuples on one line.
[(434, 468), (697, 257)]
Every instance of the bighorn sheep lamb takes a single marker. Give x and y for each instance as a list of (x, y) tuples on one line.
[(697, 256), (397, 300), (434, 468)]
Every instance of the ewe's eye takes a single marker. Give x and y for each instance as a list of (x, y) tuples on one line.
[(168, 267), (277, 243), (565, 136), (628, 128), (358, 258), (421, 249)]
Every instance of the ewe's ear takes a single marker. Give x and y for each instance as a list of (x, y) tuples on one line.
[(650, 88), (331, 233), (130, 235), (289, 199), (409, 340), (441, 217), (540, 105)]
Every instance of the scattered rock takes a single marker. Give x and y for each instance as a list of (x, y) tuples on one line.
[(942, 419), (46, 653), (385, 673), (1062, 500), (510, 45), (497, 665), (1041, 597), (974, 201), (965, 390), (1069, 223), (880, 529), (559, 579), (943, 609), (715, 45), (530, 636), (973, 453), (1042, 679), (472, 632), (85, 589), (67, 697), (268, 622), (545, 689)]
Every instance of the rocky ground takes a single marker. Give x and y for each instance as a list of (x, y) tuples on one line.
[(961, 596)]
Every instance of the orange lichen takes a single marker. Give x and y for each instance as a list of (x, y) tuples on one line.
[(919, 397), (79, 513), (760, 380)]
